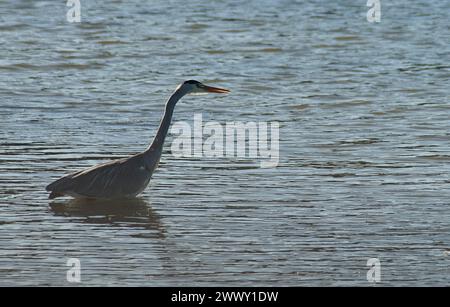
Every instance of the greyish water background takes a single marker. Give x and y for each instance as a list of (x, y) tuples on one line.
[(364, 142)]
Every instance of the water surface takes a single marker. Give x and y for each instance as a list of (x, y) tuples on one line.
[(364, 142)]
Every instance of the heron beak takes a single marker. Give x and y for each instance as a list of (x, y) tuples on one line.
[(211, 89)]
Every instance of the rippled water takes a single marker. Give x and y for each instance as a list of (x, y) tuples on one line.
[(364, 142)]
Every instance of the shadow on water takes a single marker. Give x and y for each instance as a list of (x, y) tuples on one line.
[(135, 213)]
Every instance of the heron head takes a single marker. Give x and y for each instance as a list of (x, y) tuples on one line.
[(195, 87)]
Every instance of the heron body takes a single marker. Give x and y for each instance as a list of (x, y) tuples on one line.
[(128, 177)]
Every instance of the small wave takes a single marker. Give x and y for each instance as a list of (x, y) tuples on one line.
[(347, 103), (27, 66), (12, 27), (111, 42)]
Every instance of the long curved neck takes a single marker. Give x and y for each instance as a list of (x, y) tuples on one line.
[(158, 141)]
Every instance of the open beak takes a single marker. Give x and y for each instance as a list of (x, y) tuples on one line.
[(211, 89)]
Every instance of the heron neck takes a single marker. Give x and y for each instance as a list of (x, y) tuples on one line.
[(158, 141)]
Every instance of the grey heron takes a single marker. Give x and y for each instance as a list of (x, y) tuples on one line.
[(128, 177)]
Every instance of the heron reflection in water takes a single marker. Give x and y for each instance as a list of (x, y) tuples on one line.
[(126, 178), (134, 213)]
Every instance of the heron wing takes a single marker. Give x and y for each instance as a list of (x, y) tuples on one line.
[(119, 178)]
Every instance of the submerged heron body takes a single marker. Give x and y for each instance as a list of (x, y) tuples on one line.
[(126, 178)]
